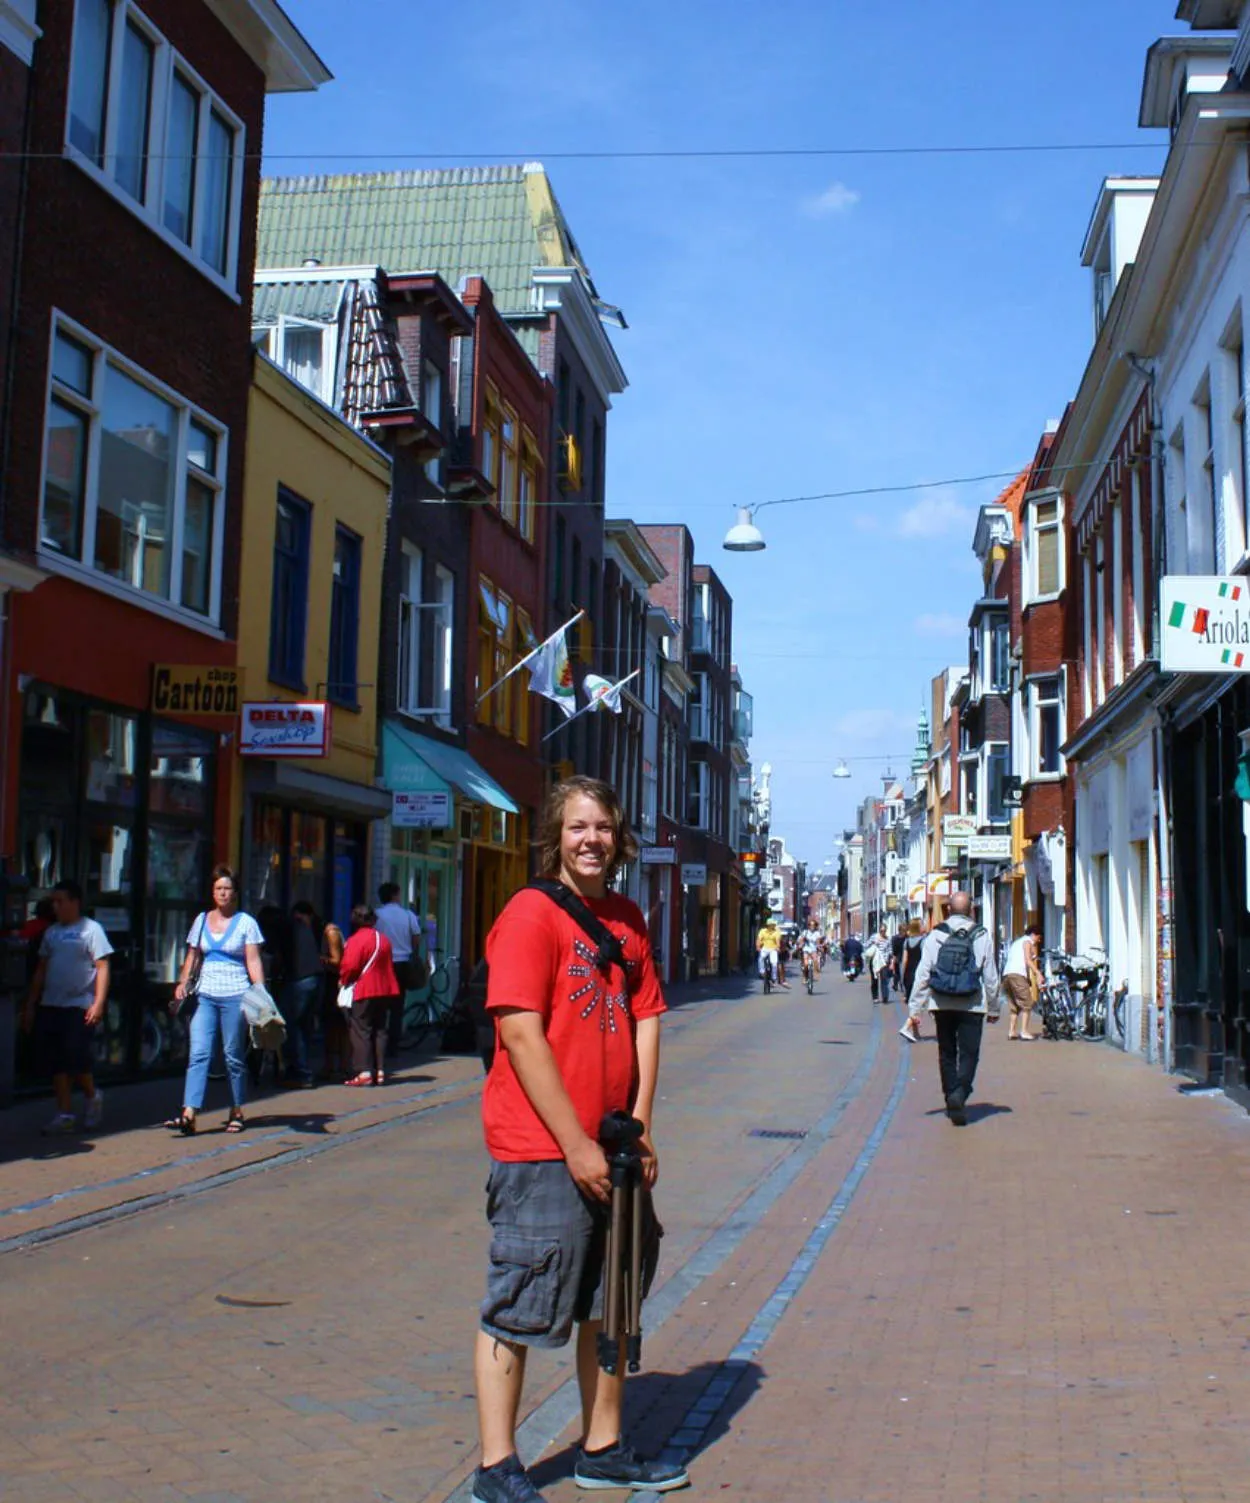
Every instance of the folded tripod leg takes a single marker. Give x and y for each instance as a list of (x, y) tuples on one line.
[(633, 1282), (614, 1292)]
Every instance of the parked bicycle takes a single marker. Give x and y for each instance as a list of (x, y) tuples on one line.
[(428, 1011), (1076, 994)]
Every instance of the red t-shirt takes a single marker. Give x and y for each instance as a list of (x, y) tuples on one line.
[(542, 961)]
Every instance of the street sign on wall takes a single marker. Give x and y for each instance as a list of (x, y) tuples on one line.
[(279, 728), (694, 873), (1206, 624), (421, 811), (658, 855), (989, 848)]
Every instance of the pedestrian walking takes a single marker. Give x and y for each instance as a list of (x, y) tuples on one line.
[(957, 981), (66, 1000), (403, 929), (336, 1036), (1022, 981), (578, 1034), (367, 968), (878, 958), (913, 944), (222, 961), (302, 991)]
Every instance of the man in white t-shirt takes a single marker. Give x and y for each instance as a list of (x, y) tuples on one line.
[(403, 928), (67, 999)]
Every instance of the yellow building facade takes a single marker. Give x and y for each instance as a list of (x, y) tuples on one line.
[(314, 533)]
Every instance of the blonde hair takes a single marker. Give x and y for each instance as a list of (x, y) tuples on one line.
[(551, 827)]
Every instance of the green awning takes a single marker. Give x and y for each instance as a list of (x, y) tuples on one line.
[(412, 763)]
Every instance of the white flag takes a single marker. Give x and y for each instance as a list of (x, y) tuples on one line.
[(550, 673), (602, 693)]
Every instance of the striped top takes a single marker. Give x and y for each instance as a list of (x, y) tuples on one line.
[(223, 972)]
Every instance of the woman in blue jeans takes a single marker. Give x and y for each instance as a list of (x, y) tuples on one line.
[(228, 943)]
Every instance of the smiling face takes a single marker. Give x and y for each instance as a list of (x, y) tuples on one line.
[(587, 845)]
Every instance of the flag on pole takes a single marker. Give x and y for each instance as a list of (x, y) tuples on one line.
[(602, 693), (551, 674)]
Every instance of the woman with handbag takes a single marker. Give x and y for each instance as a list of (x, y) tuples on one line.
[(367, 988), (222, 961)]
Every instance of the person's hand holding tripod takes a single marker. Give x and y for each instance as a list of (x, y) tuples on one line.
[(650, 1159)]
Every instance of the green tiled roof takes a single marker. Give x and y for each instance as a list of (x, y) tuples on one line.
[(318, 301), (468, 221)]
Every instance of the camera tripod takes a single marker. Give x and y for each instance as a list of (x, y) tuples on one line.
[(619, 1134)]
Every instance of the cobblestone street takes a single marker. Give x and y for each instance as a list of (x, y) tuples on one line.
[(888, 1307)]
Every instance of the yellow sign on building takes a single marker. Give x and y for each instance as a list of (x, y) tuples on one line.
[(180, 689)]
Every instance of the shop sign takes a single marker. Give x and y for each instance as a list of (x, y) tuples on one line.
[(658, 855), (1206, 624), (181, 690), (694, 873), (956, 828), (421, 811), (989, 848), (278, 728)]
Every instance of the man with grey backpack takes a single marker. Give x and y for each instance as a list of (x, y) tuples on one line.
[(957, 980)]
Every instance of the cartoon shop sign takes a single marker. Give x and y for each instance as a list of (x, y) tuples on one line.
[(1206, 624), (279, 728)]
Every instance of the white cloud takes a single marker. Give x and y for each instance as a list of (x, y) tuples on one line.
[(938, 625), (936, 516), (837, 199)]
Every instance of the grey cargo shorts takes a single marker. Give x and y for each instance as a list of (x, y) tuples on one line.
[(546, 1253)]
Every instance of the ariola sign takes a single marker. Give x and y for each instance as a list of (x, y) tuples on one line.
[(1206, 624)]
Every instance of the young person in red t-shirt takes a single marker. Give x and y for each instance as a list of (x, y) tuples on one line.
[(574, 1042)]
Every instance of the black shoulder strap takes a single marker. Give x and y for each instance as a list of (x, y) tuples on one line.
[(608, 947), (945, 929)]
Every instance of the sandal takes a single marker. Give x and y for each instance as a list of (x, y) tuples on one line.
[(360, 1080), (235, 1122), (183, 1123)]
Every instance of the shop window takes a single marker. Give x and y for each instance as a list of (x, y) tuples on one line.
[(132, 478), (143, 124), (344, 619), (288, 605)]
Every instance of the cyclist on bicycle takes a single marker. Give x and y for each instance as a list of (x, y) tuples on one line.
[(768, 947), (809, 943)]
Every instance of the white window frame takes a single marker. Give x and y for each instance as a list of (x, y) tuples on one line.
[(1138, 565), (1115, 514), (166, 59), (1033, 773), (1087, 684), (102, 355), (1032, 594), (443, 614), (270, 339), (411, 632), (983, 779)]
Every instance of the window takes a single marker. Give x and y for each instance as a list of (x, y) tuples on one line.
[(1115, 513), (410, 635), (344, 618), (495, 648), (490, 441), (1235, 377), (443, 657), (432, 408), (526, 642), (1202, 513), (145, 126), (508, 466), (999, 657), (700, 634), (1137, 523), (1044, 565), (1100, 620), (288, 605), (698, 800), (1046, 726), (527, 484), (304, 349), (132, 477)]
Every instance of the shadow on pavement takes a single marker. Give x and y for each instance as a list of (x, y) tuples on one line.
[(977, 1111), (658, 1407), (844, 1043)]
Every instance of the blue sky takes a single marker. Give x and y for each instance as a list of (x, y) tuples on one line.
[(797, 324)]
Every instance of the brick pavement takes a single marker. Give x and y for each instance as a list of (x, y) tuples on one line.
[(986, 1321)]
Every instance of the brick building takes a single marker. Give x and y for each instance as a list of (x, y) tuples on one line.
[(125, 444)]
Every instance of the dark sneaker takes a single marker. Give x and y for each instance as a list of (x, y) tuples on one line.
[(956, 1107), (505, 1482), (619, 1467)]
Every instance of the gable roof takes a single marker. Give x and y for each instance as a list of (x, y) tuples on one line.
[(495, 222)]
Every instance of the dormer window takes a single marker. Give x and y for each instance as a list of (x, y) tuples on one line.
[(1104, 284), (304, 349)]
